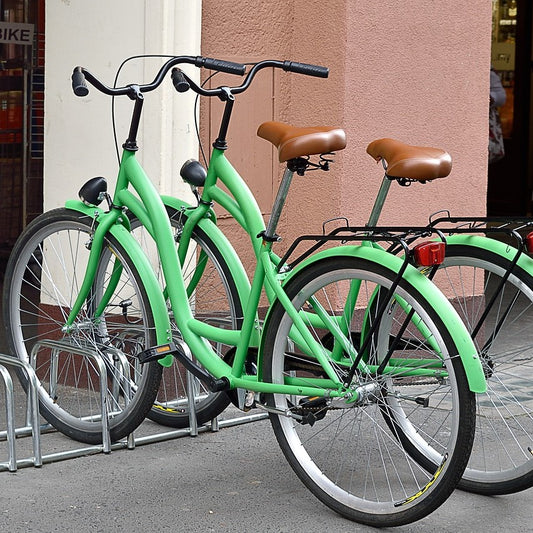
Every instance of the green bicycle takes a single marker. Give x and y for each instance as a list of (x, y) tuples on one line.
[(487, 274), (349, 398), (489, 283)]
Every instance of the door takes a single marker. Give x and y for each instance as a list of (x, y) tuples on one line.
[(510, 183)]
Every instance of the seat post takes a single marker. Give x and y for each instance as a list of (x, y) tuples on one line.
[(277, 207), (380, 201)]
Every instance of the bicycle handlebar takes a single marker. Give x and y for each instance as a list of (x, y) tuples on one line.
[(81, 76), (219, 64), (79, 85), (180, 79)]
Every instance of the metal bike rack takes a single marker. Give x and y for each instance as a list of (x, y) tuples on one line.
[(56, 346), (32, 414), (34, 428)]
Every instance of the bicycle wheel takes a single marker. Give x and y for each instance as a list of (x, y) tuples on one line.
[(350, 456), (43, 277), (213, 299), (502, 457)]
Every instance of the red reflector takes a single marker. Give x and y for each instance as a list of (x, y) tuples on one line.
[(429, 253), (529, 242)]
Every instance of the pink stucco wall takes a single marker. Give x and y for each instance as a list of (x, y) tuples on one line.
[(419, 71), (414, 70)]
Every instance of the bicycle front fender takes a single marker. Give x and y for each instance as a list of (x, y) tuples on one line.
[(210, 228), (456, 328), (144, 269), (500, 248)]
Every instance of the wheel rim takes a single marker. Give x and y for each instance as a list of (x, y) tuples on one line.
[(215, 302), (504, 423), (48, 275), (363, 481)]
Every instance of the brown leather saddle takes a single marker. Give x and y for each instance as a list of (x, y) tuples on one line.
[(419, 163)]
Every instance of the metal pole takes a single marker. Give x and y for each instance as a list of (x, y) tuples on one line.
[(10, 416)]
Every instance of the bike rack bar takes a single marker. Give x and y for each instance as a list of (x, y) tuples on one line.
[(34, 429), (57, 346), (33, 410), (10, 416)]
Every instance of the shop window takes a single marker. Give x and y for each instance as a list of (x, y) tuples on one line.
[(21, 116)]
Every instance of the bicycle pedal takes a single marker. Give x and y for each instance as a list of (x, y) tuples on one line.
[(312, 410), (424, 402), (155, 353)]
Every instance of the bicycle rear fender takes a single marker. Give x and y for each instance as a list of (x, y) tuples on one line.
[(209, 227), (135, 252), (456, 328), (502, 249)]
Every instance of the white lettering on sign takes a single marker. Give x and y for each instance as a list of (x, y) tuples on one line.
[(16, 33)]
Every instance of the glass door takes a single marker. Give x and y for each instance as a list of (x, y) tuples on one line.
[(12, 84)]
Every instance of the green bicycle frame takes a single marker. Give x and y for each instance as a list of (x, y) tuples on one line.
[(151, 208), (243, 208), (148, 206)]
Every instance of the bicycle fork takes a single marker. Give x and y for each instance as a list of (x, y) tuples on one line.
[(95, 246)]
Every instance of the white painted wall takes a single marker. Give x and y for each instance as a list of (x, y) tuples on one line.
[(99, 35)]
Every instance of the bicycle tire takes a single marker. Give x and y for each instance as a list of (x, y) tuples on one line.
[(43, 276), (501, 461), (347, 472), (216, 300)]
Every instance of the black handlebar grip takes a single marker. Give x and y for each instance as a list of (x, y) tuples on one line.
[(304, 68), (178, 79), (223, 66), (79, 85)]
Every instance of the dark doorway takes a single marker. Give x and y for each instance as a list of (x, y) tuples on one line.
[(510, 182)]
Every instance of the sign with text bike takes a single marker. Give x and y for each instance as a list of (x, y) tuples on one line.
[(16, 33)]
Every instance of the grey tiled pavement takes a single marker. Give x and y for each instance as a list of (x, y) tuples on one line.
[(235, 479)]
